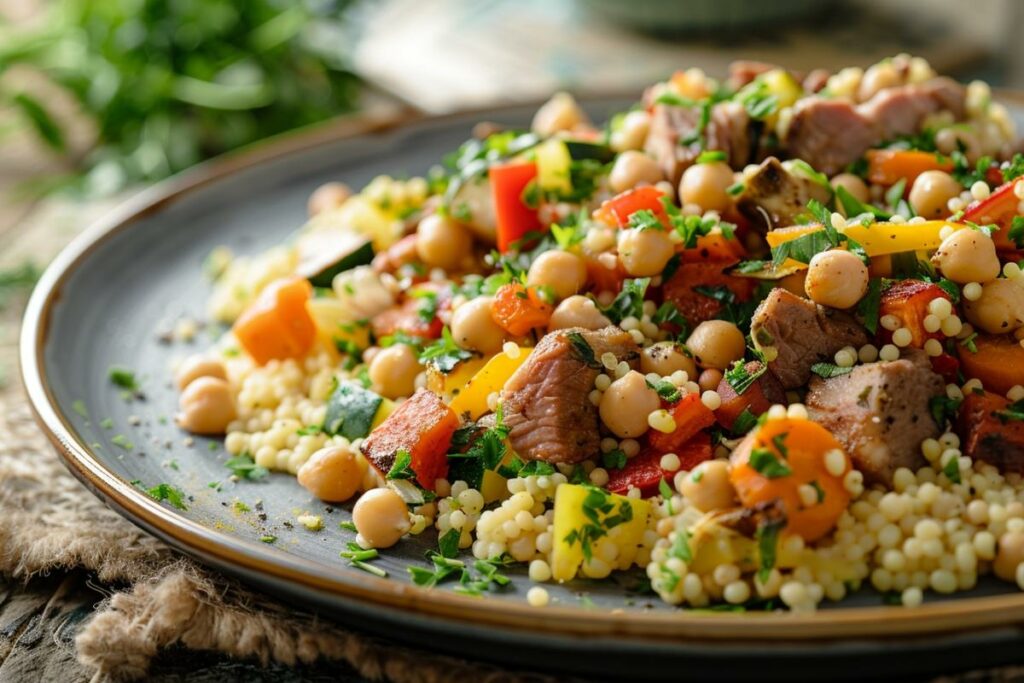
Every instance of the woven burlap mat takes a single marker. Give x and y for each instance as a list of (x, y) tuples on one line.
[(49, 523)]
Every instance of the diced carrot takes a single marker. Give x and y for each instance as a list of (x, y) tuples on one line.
[(602, 278), (989, 433), (695, 306), (762, 471), (422, 426), (513, 216), (644, 471), (691, 416), (714, 248), (889, 166), (998, 209), (757, 398), (519, 309), (617, 210), (277, 325), (908, 300), (999, 362)]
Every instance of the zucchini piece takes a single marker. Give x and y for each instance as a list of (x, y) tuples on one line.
[(351, 410), (322, 255), (578, 150)]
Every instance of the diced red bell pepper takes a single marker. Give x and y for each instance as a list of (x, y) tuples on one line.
[(519, 309), (602, 278), (695, 306), (408, 316), (761, 395), (513, 217), (988, 435), (945, 366), (644, 471), (618, 209), (691, 416), (998, 209), (908, 300), (422, 426)]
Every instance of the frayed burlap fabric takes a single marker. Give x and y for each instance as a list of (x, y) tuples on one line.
[(51, 523)]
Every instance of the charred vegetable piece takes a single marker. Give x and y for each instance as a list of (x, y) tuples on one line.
[(691, 416), (351, 410), (277, 325), (579, 149), (992, 429), (618, 209), (998, 363), (689, 288), (998, 209), (790, 459), (908, 300), (422, 426), (756, 395), (644, 471), (416, 316), (324, 255), (515, 218)]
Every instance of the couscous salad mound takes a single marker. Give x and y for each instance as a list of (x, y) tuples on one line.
[(759, 337)]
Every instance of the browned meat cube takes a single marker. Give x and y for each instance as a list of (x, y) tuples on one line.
[(545, 402), (879, 412), (902, 110), (803, 333), (991, 433), (828, 134), (728, 130)]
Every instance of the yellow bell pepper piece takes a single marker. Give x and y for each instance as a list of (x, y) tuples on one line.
[(493, 486), (570, 503), (782, 84), (472, 397), (446, 384), (553, 162), (334, 321), (878, 239)]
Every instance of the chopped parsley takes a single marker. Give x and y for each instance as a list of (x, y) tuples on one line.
[(244, 467), (943, 409), (360, 559), (630, 301), (602, 515), (668, 314), (1016, 233), (666, 493), (952, 470), (645, 219), (448, 543), (767, 537), (347, 526), (485, 453), (711, 156), (107, 423), (666, 390), (741, 379), (427, 309), (122, 441), (165, 492), (830, 370), (444, 354), (1012, 413), (268, 538), (969, 343), (745, 422), (765, 462), (614, 459), (582, 350), (1014, 168), (869, 306), (402, 467), (124, 378)]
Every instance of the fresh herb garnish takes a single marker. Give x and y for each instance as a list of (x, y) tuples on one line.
[(765, 462), (745, 422), (869, 305), (630, 301), (767, 537), (582, 350), (666, 390), (952, 470), (124, 378), (165, 492), (444, 354), (360, 558), (244, 467), (741, 379), (448, 543), (614, 459), (830, 370), (1016, 233), (1012, 413), (602, 515), (122, 441), (402, 467), (943, 409)]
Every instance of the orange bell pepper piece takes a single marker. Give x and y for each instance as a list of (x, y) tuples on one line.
[(889, 166), (518, 309)]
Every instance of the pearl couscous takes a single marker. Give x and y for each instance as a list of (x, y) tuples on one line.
[(765, 379)]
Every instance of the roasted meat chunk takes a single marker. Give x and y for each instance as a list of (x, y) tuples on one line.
[(802, 333), (727, 130), (772, 197), (879, 412), (545, 402)]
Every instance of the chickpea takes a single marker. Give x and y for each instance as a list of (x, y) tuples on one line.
[(967, 256), (207, 406), (632, 133), (836, 278), (565, 273), (328, 196), (665, 358), (878, 77), (709, 379), (716, 344), (930, 193), (332, 474), (632, 168), (381, 518), (442, 242), (578, 311), (194, 367), (999, 309), (708, 486), (949, 140), (558, 114), (705, 185), (644, 252), (473, 327), (393, 371), (852, 184), (626, 404), (1010, 555)]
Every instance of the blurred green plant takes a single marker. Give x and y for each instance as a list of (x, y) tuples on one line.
[(167, 83)]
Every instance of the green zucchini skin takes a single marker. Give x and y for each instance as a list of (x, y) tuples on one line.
[(579, 150), (350, 410), (349, 254)]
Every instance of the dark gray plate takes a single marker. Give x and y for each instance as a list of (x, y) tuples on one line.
[(107, 296)]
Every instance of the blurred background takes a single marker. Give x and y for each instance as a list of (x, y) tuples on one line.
[(99, 98)]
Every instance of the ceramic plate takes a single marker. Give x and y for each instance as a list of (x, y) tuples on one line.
[(106, 299)]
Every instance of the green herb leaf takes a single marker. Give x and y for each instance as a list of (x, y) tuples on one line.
[(448, 543), (402, 467), (630, 301), (745, 422), (1012, 413), (614, 459), (869, 305), (582, 350), (830, 370), (244, 467), (124, 378), (165, 492), (767, 537), (740, 379), (943, 409), (952, 470), (444, 354), (764, 461)]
